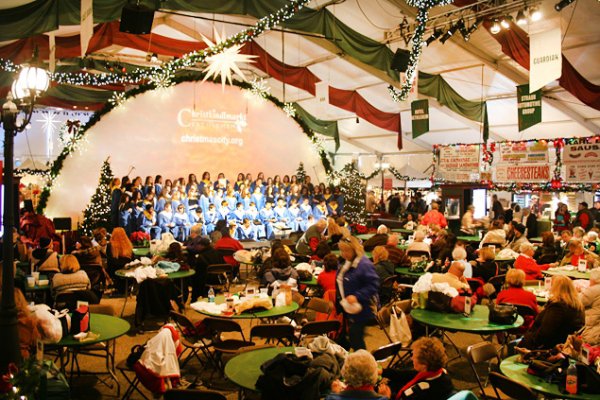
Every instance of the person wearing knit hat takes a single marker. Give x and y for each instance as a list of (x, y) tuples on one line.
[(44, 259), (519, 238)]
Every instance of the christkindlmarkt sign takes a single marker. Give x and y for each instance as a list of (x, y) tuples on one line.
[(459, 163), (523, 152), (582, 162)]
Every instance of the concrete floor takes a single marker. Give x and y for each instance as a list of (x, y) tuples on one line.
[(90, 387)]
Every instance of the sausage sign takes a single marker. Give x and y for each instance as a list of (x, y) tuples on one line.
[(582, 162)]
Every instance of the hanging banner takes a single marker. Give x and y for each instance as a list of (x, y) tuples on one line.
[(545, 58), (459, 163), (322, 96), (522, 173), (582, 162), (87, 25), (529, 106), (420, 117), (523, 152)]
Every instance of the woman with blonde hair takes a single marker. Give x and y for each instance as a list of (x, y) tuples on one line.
[(119, 251), (562, 316), (357, 286), (334, 233), (71, 277)]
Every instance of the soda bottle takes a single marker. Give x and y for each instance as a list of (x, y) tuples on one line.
[(211, 295), (572, 378)]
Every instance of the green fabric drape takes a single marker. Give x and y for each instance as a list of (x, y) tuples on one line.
[(75, 93), (326, 128), (29, 19), (437, 87)]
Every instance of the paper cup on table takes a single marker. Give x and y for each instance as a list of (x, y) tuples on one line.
[(30, 281), (36, 276)]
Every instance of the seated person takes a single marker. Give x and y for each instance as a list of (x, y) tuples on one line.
[(379, 239), (591, 242), (70, 278), (199, 259), (418, 244), (496, 235), (547, 252), (410, 223), (561, 316), (326, 279), (519, 236), (281, 268), (590, 298), (44, 259), (484, 266), (246, 230), (576, 252), (226, 242), (454, 277), (396, 255), (460, 254), (526, 263), (428, 381), (87, 253), (384, 269), (468, 224), (309, 241), (360, 373), (515, 294)]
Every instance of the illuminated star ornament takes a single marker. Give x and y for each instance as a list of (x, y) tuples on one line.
[(290, 110), (226, 62), (117, 99)]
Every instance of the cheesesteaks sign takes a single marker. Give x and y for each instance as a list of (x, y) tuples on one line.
[(522, 173), (582, 162)]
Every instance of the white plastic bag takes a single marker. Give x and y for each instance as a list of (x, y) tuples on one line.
[(154, 245), (399, 329)]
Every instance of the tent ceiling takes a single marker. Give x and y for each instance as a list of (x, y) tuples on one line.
[(476, 69)]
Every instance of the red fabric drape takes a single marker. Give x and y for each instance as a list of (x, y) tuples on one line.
[(515, 44), (351, 100), (108, 34)]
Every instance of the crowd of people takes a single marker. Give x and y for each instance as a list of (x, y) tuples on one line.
[(257, 208)]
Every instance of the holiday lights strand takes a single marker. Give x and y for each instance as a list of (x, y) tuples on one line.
[(162, 75), (416, 46)]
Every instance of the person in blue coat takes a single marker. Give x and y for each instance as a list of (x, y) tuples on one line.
[(182, 223), (320, 211), (205, 200), (238, 214), (253, 215), (305, 212), (223, 211), (295, 216), (267, 217), (258, 198), (281, 212), (246, 231), (165, 219), (197, 218), (147, 222), (211, 218), (357, 290)]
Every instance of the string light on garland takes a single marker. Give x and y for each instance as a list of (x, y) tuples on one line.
[(289, 109), (416, 45), (163, 78), (117, 99), (157, 75), (67, 130)]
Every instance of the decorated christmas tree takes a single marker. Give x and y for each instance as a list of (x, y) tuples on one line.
[(97, 213), (354, 189), (301, 173)]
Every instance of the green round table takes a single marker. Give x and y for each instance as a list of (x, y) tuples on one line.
[(312, 282), (470, 239), (106, 326), (574, 274), (518, 372), (407, 272), (141, 251), (406, 232), (365, 236), (121, 273), (476, 323), (244, 369), (274, 312)]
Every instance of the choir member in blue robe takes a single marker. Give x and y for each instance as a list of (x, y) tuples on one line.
[(182, 224), (253, 215), (205, 200), (210, 218), (295, 216), (320, 211), (267, 216), (258, 198), (246, 230), (197, 218), (238, 215), (223, 211), (158, 185), (147, 222), (165, 219)]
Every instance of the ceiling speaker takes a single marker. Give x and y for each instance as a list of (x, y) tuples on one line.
[(136, 19), (400, 60)]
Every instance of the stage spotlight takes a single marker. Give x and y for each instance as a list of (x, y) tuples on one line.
[(434, 36), (521, 19), (505, 22), (562, 4), (495, 29), (535, 14), (467, 32), (451, 31)]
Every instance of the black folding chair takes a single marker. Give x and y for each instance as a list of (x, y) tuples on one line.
[(192, 340), (317, 328), (512, 389), (281, 333), (392, 352)]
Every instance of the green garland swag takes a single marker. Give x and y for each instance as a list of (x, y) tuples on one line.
[(57, 165)]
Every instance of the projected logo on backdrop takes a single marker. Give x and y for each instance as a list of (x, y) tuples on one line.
[(196, 124)]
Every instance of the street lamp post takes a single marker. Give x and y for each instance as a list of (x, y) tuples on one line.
[(382, 164), (30, 83)]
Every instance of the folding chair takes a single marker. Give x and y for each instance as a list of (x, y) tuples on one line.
[(222, 273), (384, 314), (319, 306), (512, 389), (282, 333), (498, 282), (317, 328), (191, 339), (217, 326), (480, 353), (392, 350), (133, 382)]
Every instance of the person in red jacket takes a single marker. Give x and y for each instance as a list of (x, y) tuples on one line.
[(515, 294), (326, 278), (433, 216), (228, 243), (527, 264)]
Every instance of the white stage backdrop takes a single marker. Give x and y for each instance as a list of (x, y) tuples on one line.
[(188, 128)]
